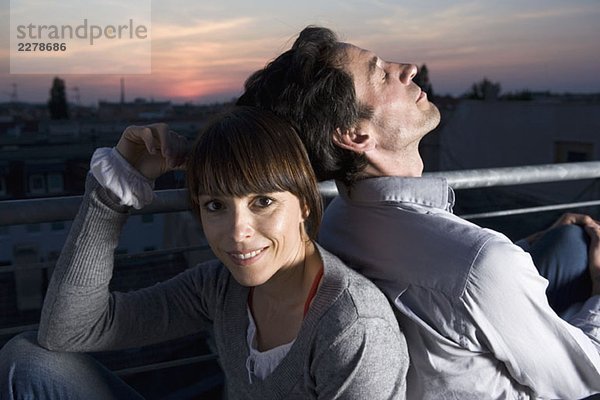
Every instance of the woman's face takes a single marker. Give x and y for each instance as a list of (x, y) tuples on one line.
[(255, 236)]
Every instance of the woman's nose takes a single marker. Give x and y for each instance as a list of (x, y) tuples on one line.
[(241, 226)]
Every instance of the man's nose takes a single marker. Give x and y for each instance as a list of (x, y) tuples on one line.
[(407, 73)]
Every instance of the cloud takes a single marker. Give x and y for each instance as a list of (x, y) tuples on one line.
[(553, 13), (199, 28), (204, 47)]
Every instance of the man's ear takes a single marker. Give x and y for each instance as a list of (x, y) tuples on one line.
[(353, 140)]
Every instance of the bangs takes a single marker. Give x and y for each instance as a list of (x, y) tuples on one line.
[(234, 165)]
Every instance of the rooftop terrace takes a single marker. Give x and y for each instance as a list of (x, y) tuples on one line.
[(190, 363)]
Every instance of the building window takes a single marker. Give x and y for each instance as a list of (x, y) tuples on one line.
[(37, 184), (58, 226), (34, 228), (55, 183), (52, 256), (573, 152)]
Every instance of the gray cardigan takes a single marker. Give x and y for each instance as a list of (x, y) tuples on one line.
[(349, 345)]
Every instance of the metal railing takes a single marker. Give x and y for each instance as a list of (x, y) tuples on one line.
[(15, 212), (493, 177)]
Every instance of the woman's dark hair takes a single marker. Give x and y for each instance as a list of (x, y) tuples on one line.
[(308, 87), (251, 151)]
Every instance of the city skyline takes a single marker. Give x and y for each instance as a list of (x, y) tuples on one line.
[(204, 52)]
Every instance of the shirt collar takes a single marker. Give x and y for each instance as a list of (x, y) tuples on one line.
[(430, 192)]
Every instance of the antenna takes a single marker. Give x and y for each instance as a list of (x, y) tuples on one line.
[(14, 96), (75, 89), (122, 90)]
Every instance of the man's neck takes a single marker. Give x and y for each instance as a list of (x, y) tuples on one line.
[(408, 164)]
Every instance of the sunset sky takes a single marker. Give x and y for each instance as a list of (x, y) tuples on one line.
[(203, 50)]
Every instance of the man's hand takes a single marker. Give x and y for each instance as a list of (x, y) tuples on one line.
[(593, 231), (592, 228), (565, 219), (576, 219), (153, 149)]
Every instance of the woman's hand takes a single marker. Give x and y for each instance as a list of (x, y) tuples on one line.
[(153, 149)]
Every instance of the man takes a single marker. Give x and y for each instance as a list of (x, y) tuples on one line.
[(472, 304)]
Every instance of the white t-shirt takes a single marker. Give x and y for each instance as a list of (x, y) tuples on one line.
[(261, 364)]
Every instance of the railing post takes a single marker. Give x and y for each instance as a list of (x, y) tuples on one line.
[(28, 281)]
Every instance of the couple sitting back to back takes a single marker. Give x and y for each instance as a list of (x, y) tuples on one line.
[(483, 317)]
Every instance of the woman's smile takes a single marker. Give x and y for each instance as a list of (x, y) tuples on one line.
[(246, 257)]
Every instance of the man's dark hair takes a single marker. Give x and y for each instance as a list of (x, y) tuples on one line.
[(308, 86)]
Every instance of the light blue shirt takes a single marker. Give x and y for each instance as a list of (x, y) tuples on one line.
[(472, 304)]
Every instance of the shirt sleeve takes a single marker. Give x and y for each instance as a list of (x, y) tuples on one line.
[(505, 295), (588, 319), (367, 361), (81, 314), (114, 173)]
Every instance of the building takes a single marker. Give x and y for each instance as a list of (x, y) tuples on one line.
[(491, 134), (44, 159)]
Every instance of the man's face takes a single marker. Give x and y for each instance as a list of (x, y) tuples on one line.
[(402, 114)]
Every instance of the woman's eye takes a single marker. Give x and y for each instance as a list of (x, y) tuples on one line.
[(263, 201), (213, 205)]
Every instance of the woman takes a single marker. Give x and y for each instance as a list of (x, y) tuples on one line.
[(290, 321)]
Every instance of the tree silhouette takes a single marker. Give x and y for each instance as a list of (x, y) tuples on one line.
[(422, 79), (57, 105), (484, 90), (523, 95)]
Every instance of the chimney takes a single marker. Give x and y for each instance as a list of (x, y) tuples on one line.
[(122, 90)]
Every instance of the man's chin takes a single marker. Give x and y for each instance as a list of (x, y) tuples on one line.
[(437, 117), (433, 118)]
